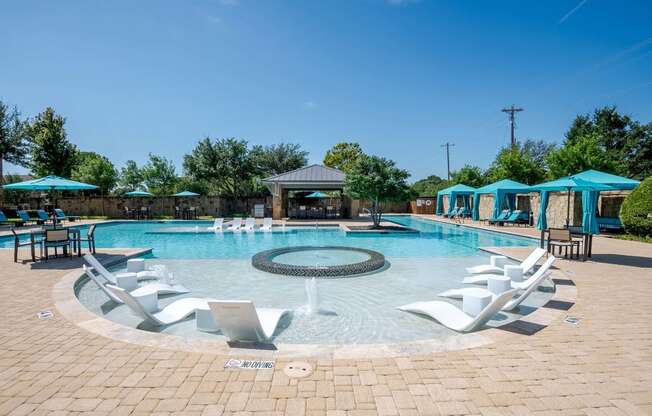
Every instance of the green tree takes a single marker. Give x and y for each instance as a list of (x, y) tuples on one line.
[(225, 165), (636, 210), (278, 158), (52, 153), (95, 169), (578, 155), (14, 197), (343, 156), (377, 180), (13, 143), (159, 175), (469, 175), (639, 152), (519, 163), (429, 186), (131, 177)]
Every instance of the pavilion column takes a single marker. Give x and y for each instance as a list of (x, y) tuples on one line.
[(279, 202)]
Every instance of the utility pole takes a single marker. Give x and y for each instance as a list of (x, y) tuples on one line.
[(448, 157), (511, 111)]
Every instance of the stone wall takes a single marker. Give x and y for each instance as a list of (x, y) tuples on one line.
[(486, 207), (113, 206)]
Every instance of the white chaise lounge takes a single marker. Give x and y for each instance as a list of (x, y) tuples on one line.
[(453, 317), (250, 224), (482, 279), (111, 277), (527, 264), (174, 312), (240, 320), (267, 224), (217, 225), (236, 224)]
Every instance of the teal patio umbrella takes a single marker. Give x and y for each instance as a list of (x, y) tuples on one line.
[(317, 195), (139, 193), (185, 194), (50, 183)]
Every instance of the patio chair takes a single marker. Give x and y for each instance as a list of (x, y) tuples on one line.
[(217, 225), (24, 217), (562, 238), (250, 224), (481, 279), (267, 224), (240, 320), (452, 213), (132, 287), (502, 217), (236, 224), (5, 221), (90, 239), (113, 277), (43, 216), (61, 216), (18, 243), (172, 313), (527, 264), (453, 317), (57, 239), (518, 217)]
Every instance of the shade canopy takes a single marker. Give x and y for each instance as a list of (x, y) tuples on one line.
[(571, 183), (615, 181), (186, 194), (459, 189), (317, 195), (139, 193), (452, 192), (502, 190), (50, 183)]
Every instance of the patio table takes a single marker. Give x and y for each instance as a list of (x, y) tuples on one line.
[(40, 232)]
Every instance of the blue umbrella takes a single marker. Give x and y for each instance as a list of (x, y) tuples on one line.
[(317, 195), (139, 193), (186, 193)]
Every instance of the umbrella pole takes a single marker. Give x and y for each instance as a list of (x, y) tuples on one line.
[(568, 209)]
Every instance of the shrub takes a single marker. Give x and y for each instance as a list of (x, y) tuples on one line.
[(636, 211)]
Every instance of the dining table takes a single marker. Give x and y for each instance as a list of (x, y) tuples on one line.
[(37, 237)]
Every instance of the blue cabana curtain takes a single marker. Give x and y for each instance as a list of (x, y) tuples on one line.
[(440, 204), (452, 201), (511, 202), (476, 206), (498, 202), (589, 208), (542, 224), (467, 202)]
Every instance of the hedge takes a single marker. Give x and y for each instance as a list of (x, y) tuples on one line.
[(636, 211)]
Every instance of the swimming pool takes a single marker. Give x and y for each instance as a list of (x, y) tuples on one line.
[(354, 310)]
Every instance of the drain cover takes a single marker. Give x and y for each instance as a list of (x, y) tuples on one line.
[(572, 320), (45, 314), (298, 369)]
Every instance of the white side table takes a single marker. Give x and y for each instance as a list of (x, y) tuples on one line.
[(149, 301), (135, 265), (498, 261), (514, 273), (499, 284), (205, 321), (475, 303), (127, 281)]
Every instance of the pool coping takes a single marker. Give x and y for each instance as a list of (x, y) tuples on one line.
[(66, 301)]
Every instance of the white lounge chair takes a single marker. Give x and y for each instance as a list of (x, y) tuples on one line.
[(217, 225), (250, 224), (453, 317), (236, 224), (526, 264), (482, 279), (267, 224), (174, 312), (111, 277), (154, 287), (240, 320)]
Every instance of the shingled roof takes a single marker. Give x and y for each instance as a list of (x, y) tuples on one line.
[(312, 173)]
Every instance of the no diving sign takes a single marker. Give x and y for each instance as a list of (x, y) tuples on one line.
[(250, 364)]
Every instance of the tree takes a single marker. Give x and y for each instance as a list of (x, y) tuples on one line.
[(12, 196), (636, 210), (639, 152), (581, 154), (95, 169), (278, 158), (469, 175), (13, 143), (378, 180), (225, 165), (159, 175), (429, 186), (52, 153), (343, 156), (519, 163), (131, 177)]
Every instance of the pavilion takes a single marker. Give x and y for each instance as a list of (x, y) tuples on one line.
[(447, 198)]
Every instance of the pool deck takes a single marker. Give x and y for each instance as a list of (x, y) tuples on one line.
[(601, 366)]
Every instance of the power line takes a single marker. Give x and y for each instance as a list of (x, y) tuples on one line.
[(511, 111), (448, 157)]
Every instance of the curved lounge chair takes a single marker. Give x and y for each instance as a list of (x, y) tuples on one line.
[(156, 287), (267, 224), (526, 264), (111, 277), (481, 279), (217, 225), (453, 317), (240, 320), (236, 224), (250, 224), (174, 312)]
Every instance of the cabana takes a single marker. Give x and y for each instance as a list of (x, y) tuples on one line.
[(452, 193), (502, 191)]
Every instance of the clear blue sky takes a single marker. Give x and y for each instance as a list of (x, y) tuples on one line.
[(400, 77)]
